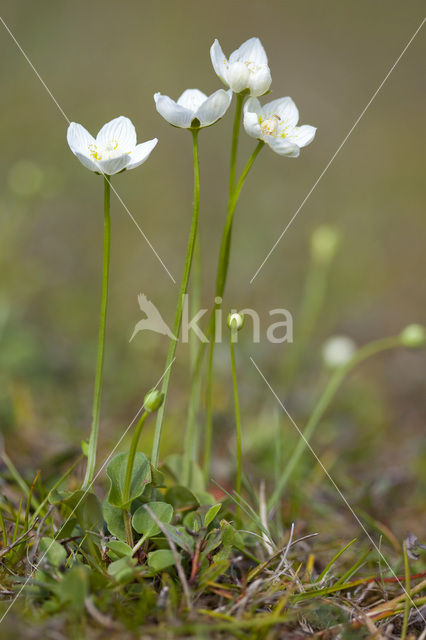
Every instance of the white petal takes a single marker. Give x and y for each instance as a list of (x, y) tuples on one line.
[(141, 153), (251, 125), (219, 61), (192, 99), (285, 109), (254, 105), (282, 146), (114, 165), (303, 135), (238, 76), (79, 139), (260, 81), (250, 51), (86, 161), (174, 114), (214, 107), (120, 130)]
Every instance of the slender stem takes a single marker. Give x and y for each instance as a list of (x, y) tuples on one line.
[(128, 478), (192, 427), (93, 441), (127, 517), (409, 601), (234, 145), (323, 403), (222, 273), (238, 426), (182, 291), (131, 459)]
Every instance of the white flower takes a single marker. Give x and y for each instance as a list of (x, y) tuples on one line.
[(275, 123), (337, 351), (114, 148), (246, 69), (193, 109)]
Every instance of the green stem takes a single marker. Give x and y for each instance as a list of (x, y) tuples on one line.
[(222, 273), (131, 458), (234, 146), (182, 291), (93, 441), (238, 426), (192, 428), (323, 403), (127, 517), (128, 478)]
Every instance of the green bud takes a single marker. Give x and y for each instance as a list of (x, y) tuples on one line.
[(325, 241), (235, 321), (413, 336), (153, 400)]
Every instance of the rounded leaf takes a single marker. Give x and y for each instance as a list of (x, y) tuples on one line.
[(143, 522), (116, 472)]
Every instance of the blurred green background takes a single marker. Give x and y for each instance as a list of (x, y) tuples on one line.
[(103, 59)]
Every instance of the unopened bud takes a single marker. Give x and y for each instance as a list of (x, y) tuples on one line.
[(324, 243), (338, 351), (235, 321), (413, 336), (153, 400)]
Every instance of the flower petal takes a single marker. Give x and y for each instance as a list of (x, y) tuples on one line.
[(114, 165), (86, 161), (303, 135), (219, 61), (250, 51), (252, 113), (238, 76), (174, 114), (282, 146), (214, 107), (120, 130), (285, 109), (192, 99), (260, 81), (141, 153), (79, 139)]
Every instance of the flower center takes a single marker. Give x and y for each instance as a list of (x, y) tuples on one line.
[(105, 152), (270, 126)]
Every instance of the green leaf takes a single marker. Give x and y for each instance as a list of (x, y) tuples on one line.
[(53, 551), (180, 537), (116, 472), (85, 447), (118, 549), (144, 524), (73, 588), (123, 570), (81, 504), (181, 497), (211, 514), (114, 519), (160, 559)]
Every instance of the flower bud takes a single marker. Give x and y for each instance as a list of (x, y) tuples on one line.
[(324, 243), (153, 400), (235, 321), (413, 336), (337, 351)]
